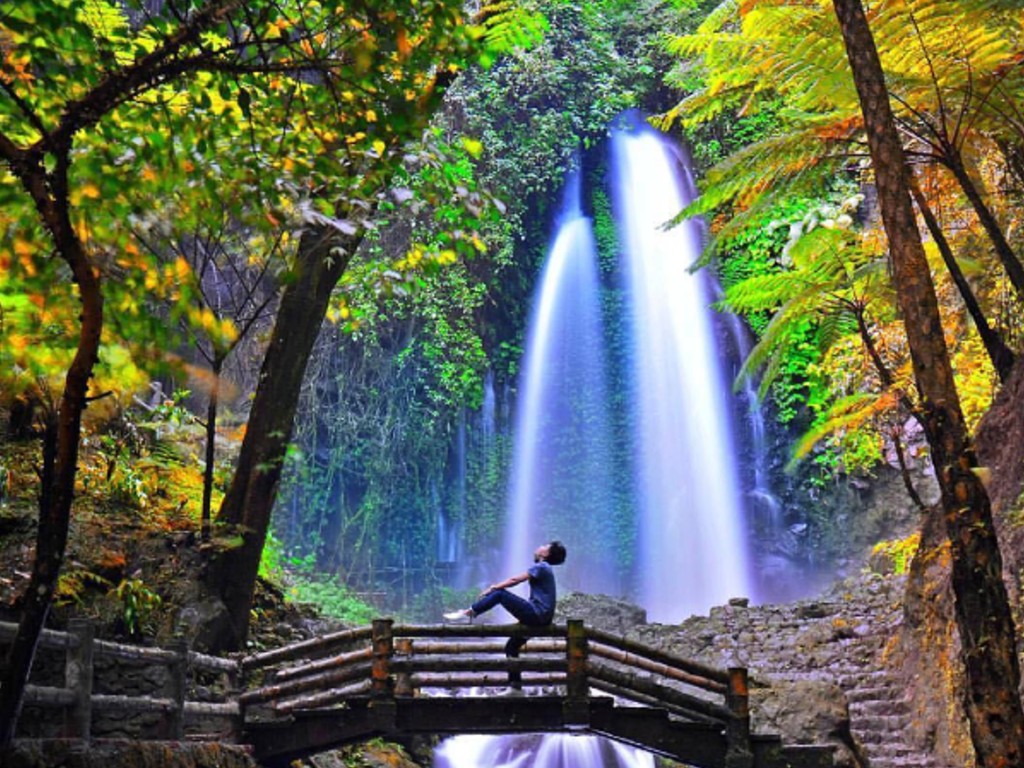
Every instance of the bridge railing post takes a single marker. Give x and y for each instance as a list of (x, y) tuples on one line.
[(403, 680), (737, 731), (382, 700), (382, 643), (177, 688), (78, 674), (576, 710)]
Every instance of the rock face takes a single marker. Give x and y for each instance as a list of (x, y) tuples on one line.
[(820, 669), (103, 754)]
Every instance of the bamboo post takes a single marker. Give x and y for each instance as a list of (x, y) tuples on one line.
[(403, 680), (78, 674), (382, 642), (177, 676), (738, 753), (382, 704), (576, 708), (236, 685)]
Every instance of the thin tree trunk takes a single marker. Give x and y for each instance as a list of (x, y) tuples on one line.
[(887, 381), (247, 507), (982, 608), (1001, 356), (60, 455), (1012, 265), (897, 442), (211, 444)]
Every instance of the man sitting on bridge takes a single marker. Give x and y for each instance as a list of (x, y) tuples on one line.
[(537, 611)]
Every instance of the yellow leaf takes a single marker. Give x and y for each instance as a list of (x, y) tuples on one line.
[(379, 147), (18, 342), (473, 147), (23, 248)]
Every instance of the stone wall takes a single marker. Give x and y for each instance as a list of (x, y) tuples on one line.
[(124, 754)]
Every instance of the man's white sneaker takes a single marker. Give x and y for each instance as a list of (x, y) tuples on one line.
[(458, 617)]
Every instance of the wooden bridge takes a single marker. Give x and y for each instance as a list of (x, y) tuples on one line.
[(394, 681)]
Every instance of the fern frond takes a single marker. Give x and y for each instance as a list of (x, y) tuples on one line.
[(508, 27), (846, 413)]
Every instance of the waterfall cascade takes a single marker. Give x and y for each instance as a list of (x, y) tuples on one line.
[(691, 544), (687, 516), (559, 486)]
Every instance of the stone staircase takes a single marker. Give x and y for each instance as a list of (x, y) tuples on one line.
[(839, 639)]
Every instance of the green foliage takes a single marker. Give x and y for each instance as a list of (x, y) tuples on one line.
[(532, 111), (899, 552), (138, 605), (272, 560), (606, 236), (333, 599), (73, 584)]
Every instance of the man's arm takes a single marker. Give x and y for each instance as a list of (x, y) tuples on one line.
[(511, 581)]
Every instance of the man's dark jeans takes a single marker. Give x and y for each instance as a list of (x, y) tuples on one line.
[(525, 613)]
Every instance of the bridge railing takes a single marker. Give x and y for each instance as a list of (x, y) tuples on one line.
[(389, 660), (76, 697)]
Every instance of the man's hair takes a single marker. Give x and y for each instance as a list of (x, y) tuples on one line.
[(556, 553)]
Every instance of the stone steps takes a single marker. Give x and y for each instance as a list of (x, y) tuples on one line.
[(879, 712)]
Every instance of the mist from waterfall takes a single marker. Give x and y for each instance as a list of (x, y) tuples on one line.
[(692, 550), (560, 484)]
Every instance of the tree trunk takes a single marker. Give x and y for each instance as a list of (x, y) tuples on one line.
[(211, 444), (1001, 356), (1012, 265), (981, 606), (60, 454), (322, 258)]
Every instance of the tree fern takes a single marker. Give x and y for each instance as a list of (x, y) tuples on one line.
[(508, 26)]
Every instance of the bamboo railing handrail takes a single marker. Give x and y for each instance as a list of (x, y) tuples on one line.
[(117, 703), (322, 699), (659, 668), (312, 682), (49, 696), (317, 645), (331, 662), (686, 665), (50, 639), (629, 682), (483, 680), (441, 664), (134, 652), (477, 630), (207, 663), (428, 648)]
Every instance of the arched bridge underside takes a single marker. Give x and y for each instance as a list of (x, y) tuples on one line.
[(396, 681), (699, 744)]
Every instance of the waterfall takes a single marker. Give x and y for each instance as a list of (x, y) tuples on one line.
[(451, 514), (488, 413), (691, 552), (538, 751), (559, 480)]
